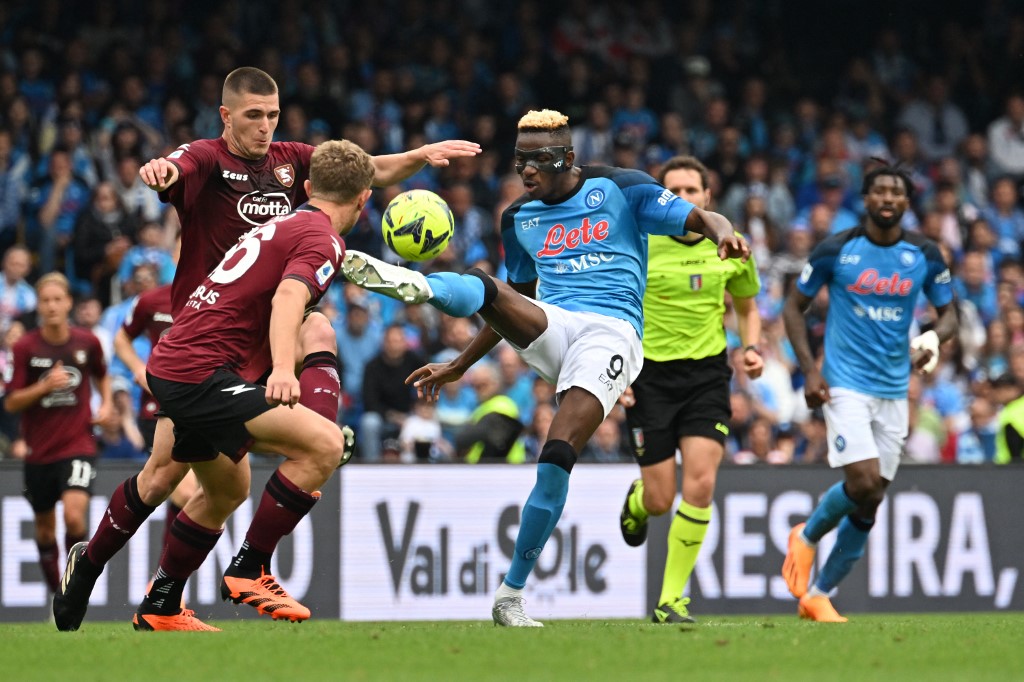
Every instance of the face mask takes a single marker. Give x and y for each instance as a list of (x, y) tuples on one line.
[(557, 162)]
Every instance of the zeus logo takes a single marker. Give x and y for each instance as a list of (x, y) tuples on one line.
[(240, 388)]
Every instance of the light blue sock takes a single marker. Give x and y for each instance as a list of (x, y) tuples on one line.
[(851, 538), (456, 295), (834, 505), (540, 515)]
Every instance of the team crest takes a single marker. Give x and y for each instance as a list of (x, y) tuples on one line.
[(696, 282), (907, 259), (840, 443), (595, 198), (285, 174), (80, 357)]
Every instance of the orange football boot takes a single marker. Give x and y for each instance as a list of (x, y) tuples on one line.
[(796, 569), (183, 621), (265, 595), (819, 609)]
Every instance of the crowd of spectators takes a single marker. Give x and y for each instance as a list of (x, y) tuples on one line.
[(785, 102)]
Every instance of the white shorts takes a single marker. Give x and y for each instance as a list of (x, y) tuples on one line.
[(864, 427), (598, 353)]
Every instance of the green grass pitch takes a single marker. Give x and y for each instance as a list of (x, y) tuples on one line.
[(971, 647)]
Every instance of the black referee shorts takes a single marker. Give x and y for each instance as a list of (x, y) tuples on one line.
[(209, 417), (678, 398)]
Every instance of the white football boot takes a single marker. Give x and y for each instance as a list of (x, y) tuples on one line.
[(393, 281)]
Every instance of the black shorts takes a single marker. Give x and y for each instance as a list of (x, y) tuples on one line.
[(147, 427), (209, 417), (45, 483), (678, 398)]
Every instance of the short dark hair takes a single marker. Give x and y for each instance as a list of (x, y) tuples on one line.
[(248, 80), (688, 163), (885, 168)]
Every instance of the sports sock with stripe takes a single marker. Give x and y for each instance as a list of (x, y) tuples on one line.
[(685, 537), (834, 505), (123, 516), (48, 562), (319, 384), (185, 551), (542, 509), (851, 538), (281, 508)]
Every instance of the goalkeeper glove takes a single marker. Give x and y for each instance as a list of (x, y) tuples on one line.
[(928, 341)]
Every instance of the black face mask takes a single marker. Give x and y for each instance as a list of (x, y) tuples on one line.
[(555, 161)]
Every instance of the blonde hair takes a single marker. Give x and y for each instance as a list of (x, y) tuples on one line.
[(339, 171), (543, 121), (54, 278)]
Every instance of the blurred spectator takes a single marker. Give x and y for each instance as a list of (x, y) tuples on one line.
[(359, 341), (53, 205), (17, 297), (421, 437), (139, 200), (761, 446), (977, 443), (592, 141), (120, 438), (1006, 138), (1005, 217), (975, 283), (103, 234), (494, 428), (939, 124), (474, 225), (149, 249), (387, 400), (605, 446), (927, 433), (537, 430), (14, 178)]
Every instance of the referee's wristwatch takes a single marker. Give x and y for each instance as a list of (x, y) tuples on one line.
[(753, 348)]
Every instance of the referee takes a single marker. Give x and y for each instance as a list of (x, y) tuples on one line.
[(681, 398)]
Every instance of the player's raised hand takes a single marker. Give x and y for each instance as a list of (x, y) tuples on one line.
[(429, 379), (816, 390), (753, 363), (158, 174), (282, 388), (438, 153), (733, 246)]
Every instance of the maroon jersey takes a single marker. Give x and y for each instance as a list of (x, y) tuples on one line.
[(226, 320), (220, 196), (59, 426), (150, 314)]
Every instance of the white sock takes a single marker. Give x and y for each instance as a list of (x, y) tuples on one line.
[(504, 591), (815, 592)]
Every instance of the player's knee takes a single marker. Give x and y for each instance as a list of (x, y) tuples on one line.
[(558, 452), (329, 448), (156, 485), (867, 489), (317, 335), (74, 524), (700, 488), (657, 501)]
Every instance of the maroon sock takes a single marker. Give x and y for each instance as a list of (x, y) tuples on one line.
[(125, 513), (319, 384), (281, 508), (48, 562), (172, 513), (186, 549), (70, 540)]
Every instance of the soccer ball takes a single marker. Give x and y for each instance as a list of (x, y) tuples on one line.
[(417, 225)]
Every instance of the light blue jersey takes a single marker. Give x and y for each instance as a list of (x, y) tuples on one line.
[(872, 291), (589, 250)]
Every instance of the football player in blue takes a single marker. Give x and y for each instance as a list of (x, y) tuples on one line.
[(576, 253), (874, 275)]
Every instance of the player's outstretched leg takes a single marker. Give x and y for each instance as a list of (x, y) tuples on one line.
[(633, 517), (374, 274)]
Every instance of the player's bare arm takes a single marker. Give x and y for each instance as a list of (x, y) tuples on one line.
[(748, 323), (815, 386), (288, 306), (718, 229), (390, 169), (125, 352), (159, 174), (21, 399), (106, 415), (925, 348)]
